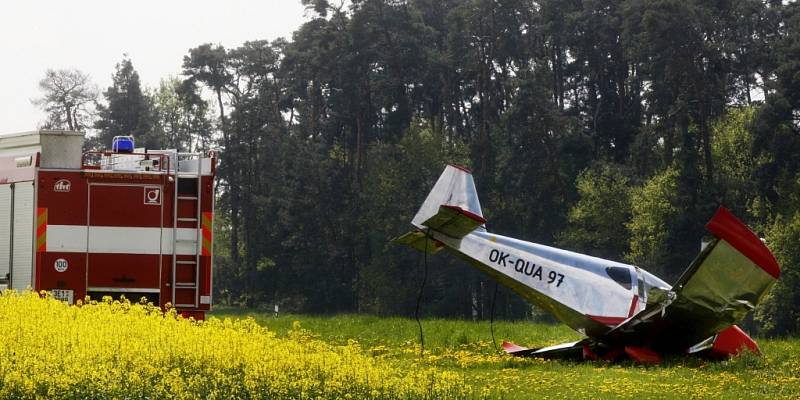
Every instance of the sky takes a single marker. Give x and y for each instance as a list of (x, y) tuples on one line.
[(93, 35)]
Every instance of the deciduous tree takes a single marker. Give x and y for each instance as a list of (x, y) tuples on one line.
[(68, 98)]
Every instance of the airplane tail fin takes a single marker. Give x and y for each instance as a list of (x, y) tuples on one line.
[(452, 208), (454, 190)]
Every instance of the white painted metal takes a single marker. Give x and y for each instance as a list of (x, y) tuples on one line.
[(6, 197), (22, 236), (191, 165), (59, 149), (119, 240), (122, 290), (67, 295), (104, 239), (455, 187)]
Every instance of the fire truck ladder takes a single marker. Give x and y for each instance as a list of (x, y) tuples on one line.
[(187, 191)]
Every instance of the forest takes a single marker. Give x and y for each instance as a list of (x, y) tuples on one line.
[(613, 128)]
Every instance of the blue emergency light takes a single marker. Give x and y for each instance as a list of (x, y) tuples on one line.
[(122, 144)]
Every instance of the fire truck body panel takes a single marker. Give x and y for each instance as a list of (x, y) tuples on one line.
[(17, 201), (111, 224)]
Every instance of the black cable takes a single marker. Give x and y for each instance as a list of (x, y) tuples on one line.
[(491, 316), (419, 297)]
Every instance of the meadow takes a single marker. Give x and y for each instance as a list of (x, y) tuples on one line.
[(118, 350), (466, 348)]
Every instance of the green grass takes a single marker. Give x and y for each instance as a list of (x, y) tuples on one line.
[(466, 348)]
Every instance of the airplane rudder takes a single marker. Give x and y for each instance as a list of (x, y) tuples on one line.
[(455, 187)]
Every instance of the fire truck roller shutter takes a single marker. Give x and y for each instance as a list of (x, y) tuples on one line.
[(5, 234), (22, 236)]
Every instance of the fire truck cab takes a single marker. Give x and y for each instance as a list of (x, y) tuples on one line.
[(126, 222)]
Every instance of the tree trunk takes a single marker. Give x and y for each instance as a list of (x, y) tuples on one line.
[(70, 125)]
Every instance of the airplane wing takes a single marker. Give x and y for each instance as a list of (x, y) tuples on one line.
[(724, 283), (420, 241), (454, 221), (564, 351), (450, 220)]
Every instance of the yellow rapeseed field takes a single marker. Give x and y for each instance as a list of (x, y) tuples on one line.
[(117, 350)]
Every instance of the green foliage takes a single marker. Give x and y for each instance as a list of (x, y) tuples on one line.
[(775, 128), (173, 116), (780, 314), (653, 212), (612, 128), (732, 147), (180, 116), (206, 64), (596, 223), (127, 111), (331, 140), (399, 182), (736, 164)]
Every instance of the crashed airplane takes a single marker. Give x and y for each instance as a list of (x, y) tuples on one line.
[(623, 310)]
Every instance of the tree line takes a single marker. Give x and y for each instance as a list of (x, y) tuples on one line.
[(614, 128)]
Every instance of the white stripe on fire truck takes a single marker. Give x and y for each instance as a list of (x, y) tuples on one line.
[(119, 240), (122, 290)]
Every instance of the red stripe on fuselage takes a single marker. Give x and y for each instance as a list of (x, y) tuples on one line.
[(633, 306), (614, 321)]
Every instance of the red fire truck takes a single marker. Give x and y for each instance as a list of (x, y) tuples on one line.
[(128, 222)]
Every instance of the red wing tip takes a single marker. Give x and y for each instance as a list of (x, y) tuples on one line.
[(733, 340), (512, 348), (469, 214), (727, 227)]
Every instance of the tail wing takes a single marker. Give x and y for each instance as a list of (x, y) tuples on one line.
[(454, 221), (420, 241)]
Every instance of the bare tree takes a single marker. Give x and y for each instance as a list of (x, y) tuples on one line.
[(69, 97)]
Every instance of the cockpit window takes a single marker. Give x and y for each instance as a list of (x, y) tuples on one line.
[(620, 275)]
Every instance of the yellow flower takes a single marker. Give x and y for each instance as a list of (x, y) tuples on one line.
[(115, 349)]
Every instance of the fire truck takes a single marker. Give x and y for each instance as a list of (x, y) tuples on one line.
[(132, 222)]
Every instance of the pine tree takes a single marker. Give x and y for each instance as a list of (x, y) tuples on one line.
[(127, 111)]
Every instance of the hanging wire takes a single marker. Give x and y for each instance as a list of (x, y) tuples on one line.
[(419, 297), (491, 316)]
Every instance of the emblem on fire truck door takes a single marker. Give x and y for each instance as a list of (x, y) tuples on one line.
[(62, 185), (152, 195)]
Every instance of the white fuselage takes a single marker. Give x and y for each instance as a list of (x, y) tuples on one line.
[(579, 282)]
